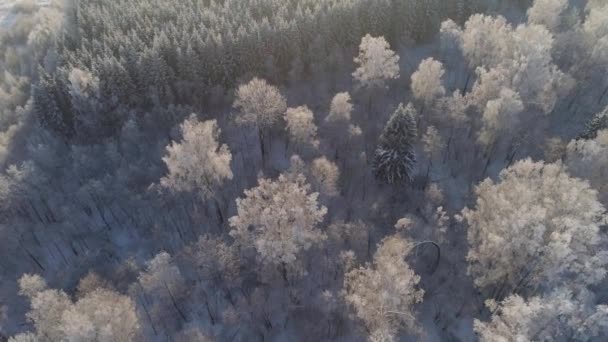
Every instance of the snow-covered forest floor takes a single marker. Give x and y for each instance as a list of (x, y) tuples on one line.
[(303, 170)]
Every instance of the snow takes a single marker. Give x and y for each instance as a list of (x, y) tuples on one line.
[(7, 19)]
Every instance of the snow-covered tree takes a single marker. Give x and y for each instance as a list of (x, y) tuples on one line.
[(301, 126), (89, 283), (351, 236), (324, 175), (547, 13), (485, 40), (24, 337), (46, 307), (377, 63), (198, 163), (259, 104), (588, 159), (534, 76), (161, 274), (535, 227), (433, 142), (164, 285), (455, 108), (279, 219), (340, 109), (449, 37), (487, 87), (559, 316), (384, 293), (426, 81), (501, 116), (595, 21), (516, 58), (102, 315), (554, 149), (338, 127), (216, 261), (394, 159)]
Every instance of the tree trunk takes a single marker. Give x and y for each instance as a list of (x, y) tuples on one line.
[(466, 84), (602, 96), (262, 148), (209, 312), (181, 314), (149, 317), (219, 210), (284, 274)]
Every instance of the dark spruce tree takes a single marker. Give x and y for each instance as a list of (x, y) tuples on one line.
[(596, 124), (394, 159)]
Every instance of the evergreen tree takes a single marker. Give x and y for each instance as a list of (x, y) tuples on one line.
[(52, 105), (395, 158), (596, 124)]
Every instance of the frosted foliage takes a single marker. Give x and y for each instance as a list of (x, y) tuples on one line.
[(101, 315), (160, 273), (547, 12), (297, 166), (340, 109), (325, 175), (488, 86), (259, 103), (384, 294), (596, 21), (301, 126), (455, 107), (485, 40), (433, 142), (194, 334), (354, 131), (90, 283), (534, 227), (600, 50), (404, 223), (588, 159), (426, 81), (216, 260), (382, 335), (46, 312), (25, 337), (350, 235), (500, 115), (434, 194), (82, 82), (555, 317), (198, 162), (535, 77), (596, 29), (554, 149), (31, 284), (104, 316), (377, 62), (518, 58), (279, 219), (449, 34)]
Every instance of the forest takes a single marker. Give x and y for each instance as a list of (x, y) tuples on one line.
[(303, 170)]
